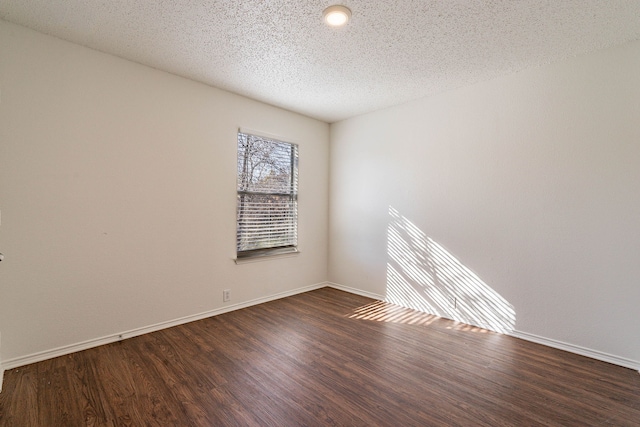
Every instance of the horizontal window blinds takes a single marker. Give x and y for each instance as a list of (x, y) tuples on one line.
[(267, 213)]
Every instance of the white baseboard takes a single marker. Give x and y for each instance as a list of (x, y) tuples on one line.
[(593, 354), (64, 350), (571, 348), (355, 291), (67, 349)]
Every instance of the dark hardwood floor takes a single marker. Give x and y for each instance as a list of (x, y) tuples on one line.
[(321, 358)]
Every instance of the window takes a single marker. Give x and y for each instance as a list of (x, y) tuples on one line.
[(267, 216)]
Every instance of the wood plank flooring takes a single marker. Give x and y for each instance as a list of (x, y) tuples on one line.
[(322, 358)]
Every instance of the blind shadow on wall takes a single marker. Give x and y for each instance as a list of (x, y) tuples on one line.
[(424, 276)]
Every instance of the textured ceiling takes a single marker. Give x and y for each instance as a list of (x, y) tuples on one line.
[(280, 52)]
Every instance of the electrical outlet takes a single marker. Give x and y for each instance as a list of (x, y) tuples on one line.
[(226, 295)]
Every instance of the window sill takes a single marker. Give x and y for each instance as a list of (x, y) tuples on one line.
[(266, 256)]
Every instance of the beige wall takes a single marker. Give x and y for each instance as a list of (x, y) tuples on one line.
[(519, 194), (117, 193)]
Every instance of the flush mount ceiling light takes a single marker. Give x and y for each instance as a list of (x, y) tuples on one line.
[(336, 16)]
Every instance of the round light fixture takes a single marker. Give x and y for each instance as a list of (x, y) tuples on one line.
[(336, 16)]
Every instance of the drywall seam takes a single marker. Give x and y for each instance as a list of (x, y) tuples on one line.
[(72, 348), (548, 342)]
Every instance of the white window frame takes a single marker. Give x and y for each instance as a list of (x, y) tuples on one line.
[(275, 194)]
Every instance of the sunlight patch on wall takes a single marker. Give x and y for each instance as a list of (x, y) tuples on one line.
[(423, 275)]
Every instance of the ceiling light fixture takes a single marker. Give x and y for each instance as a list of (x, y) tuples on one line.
[(336, 16)]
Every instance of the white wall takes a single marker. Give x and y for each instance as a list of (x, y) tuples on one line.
[(528, 183), (117, 193)]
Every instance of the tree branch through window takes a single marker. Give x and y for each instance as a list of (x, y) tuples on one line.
[(267, 215)]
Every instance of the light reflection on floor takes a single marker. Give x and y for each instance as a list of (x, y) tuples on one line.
[(381, 311)]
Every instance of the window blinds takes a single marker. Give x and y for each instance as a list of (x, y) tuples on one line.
[(267, 214)]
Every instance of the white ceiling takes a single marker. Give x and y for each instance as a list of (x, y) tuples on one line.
[(280, 52)]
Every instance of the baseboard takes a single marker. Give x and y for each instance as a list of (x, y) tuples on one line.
[(593, 354), (68, 349), (571, 348), (355, 291), (64, 350)]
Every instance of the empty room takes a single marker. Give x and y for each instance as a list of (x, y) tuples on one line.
[(301, 213)]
